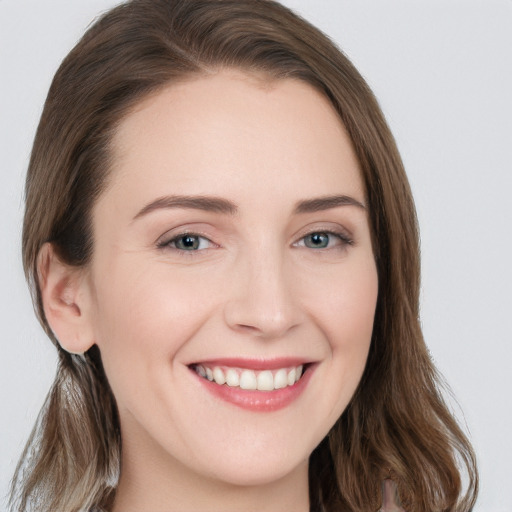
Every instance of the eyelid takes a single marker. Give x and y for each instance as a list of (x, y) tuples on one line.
[(341, 241), (164, 242), (338, 231)]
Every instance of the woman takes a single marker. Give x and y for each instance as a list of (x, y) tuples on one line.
[(222, 245)]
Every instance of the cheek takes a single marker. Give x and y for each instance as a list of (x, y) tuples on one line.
[(145, 314), (345, 312), (351, 331), (344, 305)]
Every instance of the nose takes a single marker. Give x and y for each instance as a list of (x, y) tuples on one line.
[(262, 302)]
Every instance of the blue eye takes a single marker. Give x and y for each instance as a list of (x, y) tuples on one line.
[(317, 240), (188, 242), (323, 240)]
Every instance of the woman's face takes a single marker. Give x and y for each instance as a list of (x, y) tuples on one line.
[(233, 242)]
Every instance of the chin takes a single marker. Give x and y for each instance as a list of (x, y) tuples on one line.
[(252, 473), (255, 460)]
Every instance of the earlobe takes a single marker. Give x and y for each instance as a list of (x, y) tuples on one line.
[(66, 301)]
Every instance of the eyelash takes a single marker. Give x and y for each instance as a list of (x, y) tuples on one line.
[(171, 244), (341, 236)]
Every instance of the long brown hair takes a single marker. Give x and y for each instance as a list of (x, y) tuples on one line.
[(397, 425)]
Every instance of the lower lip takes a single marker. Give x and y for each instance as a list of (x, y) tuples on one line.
[(260, 401)]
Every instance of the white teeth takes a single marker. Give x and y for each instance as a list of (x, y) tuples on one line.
[(232, 378), (280, 379), (265, 381), (218, 376), (291, 376), (248, 380)]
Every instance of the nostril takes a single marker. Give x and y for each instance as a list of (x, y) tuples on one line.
[(248, 328), (262, 311)]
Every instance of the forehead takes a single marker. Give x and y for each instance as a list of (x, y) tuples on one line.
[(234, 134)]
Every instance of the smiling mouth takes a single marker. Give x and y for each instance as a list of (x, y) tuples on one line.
[(251, 380)]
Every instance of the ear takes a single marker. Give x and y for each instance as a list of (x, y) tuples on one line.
[(66, 301)]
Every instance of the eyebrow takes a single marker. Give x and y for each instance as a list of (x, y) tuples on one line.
[(205, 203), (220, 205), (325, 203)]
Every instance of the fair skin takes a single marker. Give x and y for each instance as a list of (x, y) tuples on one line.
[(257, 278)]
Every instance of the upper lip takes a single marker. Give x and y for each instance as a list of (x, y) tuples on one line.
[(257, 364)]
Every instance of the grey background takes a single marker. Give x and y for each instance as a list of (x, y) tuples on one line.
[(442, 72)]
